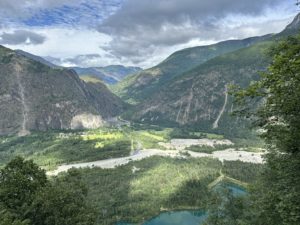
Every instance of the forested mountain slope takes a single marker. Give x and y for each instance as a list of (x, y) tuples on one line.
[(141, 86), (199, 97)]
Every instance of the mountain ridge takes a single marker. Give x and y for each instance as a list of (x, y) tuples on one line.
[(111, 74), (34, 96), (196, 98), (137, 87)]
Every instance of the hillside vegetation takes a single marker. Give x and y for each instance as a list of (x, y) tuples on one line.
[(139, 87), (140, 190), (200, 97)]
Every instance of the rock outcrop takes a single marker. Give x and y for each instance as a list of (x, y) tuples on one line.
[(34, 96)]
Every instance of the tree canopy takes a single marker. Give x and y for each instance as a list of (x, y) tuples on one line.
[(279, 118), (27, 197)]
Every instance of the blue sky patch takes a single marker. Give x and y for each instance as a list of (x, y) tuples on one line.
[(88, 13)]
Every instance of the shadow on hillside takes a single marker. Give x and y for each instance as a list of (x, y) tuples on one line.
[(193, 193), (142, 189)]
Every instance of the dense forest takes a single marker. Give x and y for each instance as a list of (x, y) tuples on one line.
[(134, 192), (27, 197)]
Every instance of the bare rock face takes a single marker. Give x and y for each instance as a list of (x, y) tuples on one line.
[(34, 96), (86, 121)]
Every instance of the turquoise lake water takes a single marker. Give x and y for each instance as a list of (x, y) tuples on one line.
[(178, 218), (187, 217)]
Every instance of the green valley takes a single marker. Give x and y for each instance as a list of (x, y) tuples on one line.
[(99, 127)]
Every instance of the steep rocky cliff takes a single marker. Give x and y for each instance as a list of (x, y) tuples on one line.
[(34, 96)]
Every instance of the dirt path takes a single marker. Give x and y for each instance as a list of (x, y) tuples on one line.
[(228, 154), (222, 177), (216, 181)]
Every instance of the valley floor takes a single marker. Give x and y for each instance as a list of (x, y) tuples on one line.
[(134, 173), (116, 146), (228, 155)]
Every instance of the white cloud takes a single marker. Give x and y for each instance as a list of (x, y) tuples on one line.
[(65, 42), (141, 35), (143, 31)]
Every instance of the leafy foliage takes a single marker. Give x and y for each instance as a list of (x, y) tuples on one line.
[(28, 198), (7, 218), (19, 182), (62, 202), (226, 209), (276, 198)]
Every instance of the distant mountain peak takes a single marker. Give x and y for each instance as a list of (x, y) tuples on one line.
[(110, 74), (36, 58), (295, 24)]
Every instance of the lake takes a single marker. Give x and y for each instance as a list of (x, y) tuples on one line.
[(188, 217)]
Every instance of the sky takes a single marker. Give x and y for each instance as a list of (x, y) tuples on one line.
[(142, 33)]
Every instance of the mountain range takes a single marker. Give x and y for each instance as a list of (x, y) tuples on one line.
[(140, 86), (110, 74), (188, 89), (35, 96)]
